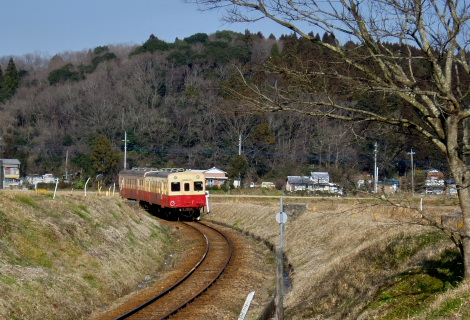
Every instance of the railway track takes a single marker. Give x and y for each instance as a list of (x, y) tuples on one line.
[(210, 256)]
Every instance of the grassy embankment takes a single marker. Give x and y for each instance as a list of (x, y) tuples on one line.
[(352, 259), (65, 258), (359, 258)]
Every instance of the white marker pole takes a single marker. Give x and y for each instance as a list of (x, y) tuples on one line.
[(55, 190), (86, 184), (246, 306)]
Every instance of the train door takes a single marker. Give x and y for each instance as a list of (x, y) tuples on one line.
[(186, 187)]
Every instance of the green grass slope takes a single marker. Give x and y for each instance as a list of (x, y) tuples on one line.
[(64, 258)]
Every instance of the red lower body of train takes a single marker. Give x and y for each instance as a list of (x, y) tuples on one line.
[(169, 194)]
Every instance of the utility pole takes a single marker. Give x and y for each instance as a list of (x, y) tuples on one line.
[(281, 218), (66, 165), (125, 150), (411, 153), (240, 153), (376, 169)]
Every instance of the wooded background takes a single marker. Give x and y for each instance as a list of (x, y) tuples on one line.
[(170, 99)]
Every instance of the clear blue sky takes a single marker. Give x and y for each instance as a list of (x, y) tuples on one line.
[(48, 27)]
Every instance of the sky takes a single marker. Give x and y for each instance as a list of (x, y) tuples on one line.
[(49, 27)]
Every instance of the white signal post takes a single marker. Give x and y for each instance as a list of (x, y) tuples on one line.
[(208, 205)]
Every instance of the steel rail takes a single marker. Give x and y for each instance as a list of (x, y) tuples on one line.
[(185, 277)]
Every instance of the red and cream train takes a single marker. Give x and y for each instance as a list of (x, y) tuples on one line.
[(173, 193)]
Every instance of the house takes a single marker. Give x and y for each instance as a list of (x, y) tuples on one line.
[(388, 186), (317, 182), (215, 177), (320, 177), (298, 183), (9, 173), (35, 179), (434, 183)]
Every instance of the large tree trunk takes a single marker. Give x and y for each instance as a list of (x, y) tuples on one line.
[(464, 197), (461, 175)]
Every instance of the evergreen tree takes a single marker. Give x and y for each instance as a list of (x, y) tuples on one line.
[(275, 54), (105, 159), (239, 166), (2, 93), (11, 79), (1, 78)]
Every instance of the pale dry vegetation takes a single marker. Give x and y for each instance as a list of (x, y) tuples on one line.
[(351, 259), (68, 257), (358, 259)]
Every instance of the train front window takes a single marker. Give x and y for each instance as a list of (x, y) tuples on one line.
[(187, 187), (175, 186), (198, 186)]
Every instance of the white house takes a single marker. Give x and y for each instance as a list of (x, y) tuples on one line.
[(316, 182), (35, 179)]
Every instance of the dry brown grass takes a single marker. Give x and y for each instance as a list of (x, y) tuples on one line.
[(342, 251), (69, 257), (65, 258)]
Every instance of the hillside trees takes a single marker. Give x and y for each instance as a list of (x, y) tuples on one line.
[(426, 70), (171, 106)]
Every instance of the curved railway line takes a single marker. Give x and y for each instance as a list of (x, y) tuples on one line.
[(211, 253)]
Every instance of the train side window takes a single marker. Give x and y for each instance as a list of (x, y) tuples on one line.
[(198, 186), (175, 186), (187, 187)]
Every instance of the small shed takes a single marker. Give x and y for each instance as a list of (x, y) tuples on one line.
[(9, 173)]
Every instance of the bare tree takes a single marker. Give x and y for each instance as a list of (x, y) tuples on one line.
[(414, 50)]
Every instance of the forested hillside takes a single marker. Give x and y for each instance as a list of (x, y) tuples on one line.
[(168, 97)]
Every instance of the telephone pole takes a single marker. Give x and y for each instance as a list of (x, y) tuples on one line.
[(125, 149), (66, 165), (376, 169), (411, 153), (239, 153)]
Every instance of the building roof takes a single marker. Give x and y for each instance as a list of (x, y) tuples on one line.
[(320, 176), (433, 170), (299, 179), (10, 162), (215, 170)]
